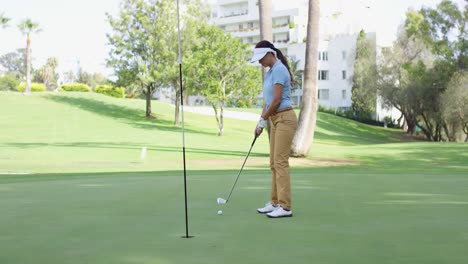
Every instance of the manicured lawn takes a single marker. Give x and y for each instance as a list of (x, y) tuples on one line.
[(362, 196)]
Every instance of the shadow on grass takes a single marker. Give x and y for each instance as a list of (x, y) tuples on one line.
[(347, 132), (443, 158), (39, 177), (133, 146), (131, 116)]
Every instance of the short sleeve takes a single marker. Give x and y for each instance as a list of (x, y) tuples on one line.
[(280, 76)]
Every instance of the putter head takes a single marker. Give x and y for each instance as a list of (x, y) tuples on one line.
[(220, 200)]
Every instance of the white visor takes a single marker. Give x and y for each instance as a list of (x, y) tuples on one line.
[(259, 53)]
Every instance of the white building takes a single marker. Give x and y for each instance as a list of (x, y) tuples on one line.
[(336, 59)]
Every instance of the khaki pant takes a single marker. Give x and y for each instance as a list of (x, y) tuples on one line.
[(283, 126)]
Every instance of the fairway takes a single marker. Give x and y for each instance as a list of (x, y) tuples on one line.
[(74, 189)]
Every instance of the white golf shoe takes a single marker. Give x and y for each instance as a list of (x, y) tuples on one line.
[(269, 207), (280, 212)]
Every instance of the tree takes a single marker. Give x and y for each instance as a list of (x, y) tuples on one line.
[(138, 44), (364, 90), (4, 20), (454, 105), (399, 76), (47, 75), (69, 77), (91, 79), (308, 115), (144, 45), (15, 63), (28, 27), (443, 29), (195, 15), (218, 70)]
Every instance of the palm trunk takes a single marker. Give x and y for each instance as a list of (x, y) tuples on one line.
[(28, 64), (266, 33), (308, 116), (266, 28), (266, 23)]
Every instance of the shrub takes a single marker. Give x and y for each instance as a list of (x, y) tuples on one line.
[(35, 87), (75, 87), (292, 25), (109, 90), (8, 83)]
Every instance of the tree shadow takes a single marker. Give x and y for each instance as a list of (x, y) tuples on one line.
[(134, 146), (131, 116)]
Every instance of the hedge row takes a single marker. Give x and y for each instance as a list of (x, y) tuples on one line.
[(109, 90), (75, 87), (35, 87)]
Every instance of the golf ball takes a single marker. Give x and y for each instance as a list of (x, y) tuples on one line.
[(220, 212)]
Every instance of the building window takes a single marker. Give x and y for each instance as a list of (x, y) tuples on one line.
[(323, 75), (250, 25), (343, 94), (323, 94), (343, 54), (343, 75), (250, 40), (241, 26), (323, 55)]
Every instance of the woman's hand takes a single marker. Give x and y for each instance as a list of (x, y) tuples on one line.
[(262, 122), (258, 131)]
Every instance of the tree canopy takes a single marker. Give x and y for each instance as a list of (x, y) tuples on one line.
[(219, 71)]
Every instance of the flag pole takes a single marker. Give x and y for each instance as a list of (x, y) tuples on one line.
[(179, 59)]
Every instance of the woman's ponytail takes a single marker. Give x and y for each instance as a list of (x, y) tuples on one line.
[(284, 60)]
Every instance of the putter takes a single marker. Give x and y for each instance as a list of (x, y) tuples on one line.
[(224, 201)]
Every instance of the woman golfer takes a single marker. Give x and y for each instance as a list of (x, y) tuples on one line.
[(283, 122)]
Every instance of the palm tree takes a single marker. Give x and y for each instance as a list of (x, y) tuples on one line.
[(296, 72), (308, 116), (27, 27), (4, 21)]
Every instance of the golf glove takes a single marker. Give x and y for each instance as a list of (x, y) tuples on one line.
[(262, 123)]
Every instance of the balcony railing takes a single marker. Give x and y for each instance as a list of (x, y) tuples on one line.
[(238, 13)]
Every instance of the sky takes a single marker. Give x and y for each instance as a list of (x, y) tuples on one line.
[(74, 31)]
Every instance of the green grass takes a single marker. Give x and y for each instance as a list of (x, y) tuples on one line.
[(362, 196)]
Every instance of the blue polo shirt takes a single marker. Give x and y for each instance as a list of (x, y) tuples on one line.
[(278, 74)]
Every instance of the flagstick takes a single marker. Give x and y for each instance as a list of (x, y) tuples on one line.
[(183, 129)]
